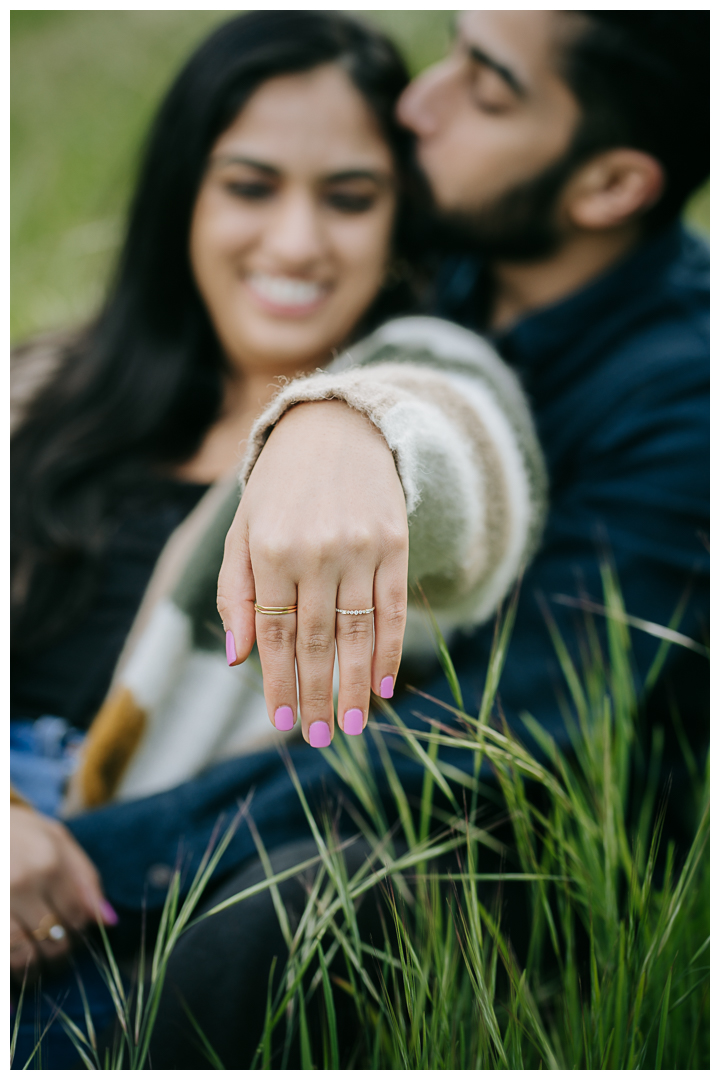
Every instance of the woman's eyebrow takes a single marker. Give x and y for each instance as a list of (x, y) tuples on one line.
[(378, 177), (381, 178), (238, 159)]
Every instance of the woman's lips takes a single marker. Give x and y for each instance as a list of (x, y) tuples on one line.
[(285, 295)]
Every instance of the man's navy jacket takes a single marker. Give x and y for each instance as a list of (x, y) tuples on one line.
[(618, 379)]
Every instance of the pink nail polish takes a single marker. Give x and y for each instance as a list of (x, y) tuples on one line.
[(109, 915), (230, 650), (387, 686), (284, 718), (319, 734), (353, 722)]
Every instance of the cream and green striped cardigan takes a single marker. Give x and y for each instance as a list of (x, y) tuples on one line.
[(456, 420)]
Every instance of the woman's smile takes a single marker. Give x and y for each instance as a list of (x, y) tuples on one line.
[(286, 296)]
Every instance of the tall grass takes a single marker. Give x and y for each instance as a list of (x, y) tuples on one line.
[(572, 938)]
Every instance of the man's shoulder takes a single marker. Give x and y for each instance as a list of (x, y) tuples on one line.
[(678, 303), (645, 323), (664, 341), (659, 368), (653, 308)]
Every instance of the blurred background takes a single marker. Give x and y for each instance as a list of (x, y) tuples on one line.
[(84, 87)]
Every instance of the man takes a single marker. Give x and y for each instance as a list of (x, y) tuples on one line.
[(561, 147)]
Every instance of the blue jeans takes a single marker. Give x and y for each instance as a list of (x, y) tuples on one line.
[(43, 755)]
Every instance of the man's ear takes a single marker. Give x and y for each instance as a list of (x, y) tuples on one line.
[(612, 188)]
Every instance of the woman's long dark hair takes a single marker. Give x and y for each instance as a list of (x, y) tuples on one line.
[(139, 389)]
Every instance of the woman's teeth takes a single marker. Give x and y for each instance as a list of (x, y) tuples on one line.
[(287, 292)]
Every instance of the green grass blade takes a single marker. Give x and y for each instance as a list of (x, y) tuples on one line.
[(18, 1014), (663, 1022), (329, 1012), (205, 1043), (443, 653)]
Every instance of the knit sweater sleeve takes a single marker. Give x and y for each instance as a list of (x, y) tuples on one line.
[(457, 422)]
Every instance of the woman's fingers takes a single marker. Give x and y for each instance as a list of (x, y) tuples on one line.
[(297, 649), (390, 615), (39, 932), (22, 948), (354, 637), (315, 652), (276, 646), (236, 593)]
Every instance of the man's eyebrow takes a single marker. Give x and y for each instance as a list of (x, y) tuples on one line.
[(504, 72)]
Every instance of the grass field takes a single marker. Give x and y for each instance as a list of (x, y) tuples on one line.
[(84, 87), (613, 971)]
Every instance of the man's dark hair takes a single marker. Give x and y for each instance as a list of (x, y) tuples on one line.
[(642, 79)]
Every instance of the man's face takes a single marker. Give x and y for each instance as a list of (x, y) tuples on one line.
[(494, 123)]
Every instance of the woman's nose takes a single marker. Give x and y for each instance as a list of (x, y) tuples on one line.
[(422, 103), (295, 233)]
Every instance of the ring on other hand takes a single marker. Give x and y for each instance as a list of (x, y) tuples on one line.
[(48, 928), (355, 611), (276, 610)]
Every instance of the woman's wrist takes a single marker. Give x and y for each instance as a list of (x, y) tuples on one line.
[(349, 394)]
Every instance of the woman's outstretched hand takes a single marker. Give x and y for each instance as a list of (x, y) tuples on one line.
[(321, 524), (55, 890)]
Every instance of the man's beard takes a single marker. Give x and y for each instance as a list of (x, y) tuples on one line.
[(520, 225)]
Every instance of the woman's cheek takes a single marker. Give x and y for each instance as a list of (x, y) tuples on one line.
[(371, 251)]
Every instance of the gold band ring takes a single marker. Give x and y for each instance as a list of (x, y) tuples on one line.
[(49, 928), (355, 611), (276, 610)]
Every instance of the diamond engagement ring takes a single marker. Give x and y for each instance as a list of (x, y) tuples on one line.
[(355, 611)]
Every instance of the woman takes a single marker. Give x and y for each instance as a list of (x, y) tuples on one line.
[(264, 238)]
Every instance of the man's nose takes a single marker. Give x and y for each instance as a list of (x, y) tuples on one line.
[(295, 234), (422, 104)]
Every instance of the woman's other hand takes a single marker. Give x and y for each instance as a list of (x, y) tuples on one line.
[(321, 524), (54, 889)]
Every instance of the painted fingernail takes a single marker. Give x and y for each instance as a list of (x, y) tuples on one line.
[(109, 914), (387, 686), (319, 734), (284, 718), (353, 722), (230, 650)]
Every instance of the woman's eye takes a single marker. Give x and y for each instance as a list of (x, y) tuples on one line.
[(347, 203), (251, 190)]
